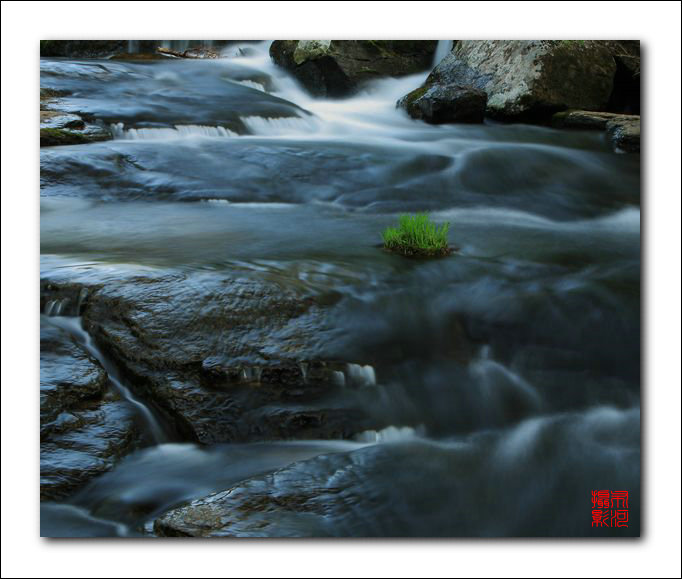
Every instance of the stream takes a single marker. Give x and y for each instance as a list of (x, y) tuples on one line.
[(504, 380)]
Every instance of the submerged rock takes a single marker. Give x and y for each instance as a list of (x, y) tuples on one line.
[(337, 68), (530, 79), (83, 427), (412, 487), (445, 104)]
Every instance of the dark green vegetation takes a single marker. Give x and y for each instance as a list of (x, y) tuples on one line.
[(51, 137), (417, 235)]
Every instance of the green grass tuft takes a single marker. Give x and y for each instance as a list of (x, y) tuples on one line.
[(416, 235)]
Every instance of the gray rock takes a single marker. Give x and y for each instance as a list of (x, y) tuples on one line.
[(337, 68), (531, 79), (445, 104)]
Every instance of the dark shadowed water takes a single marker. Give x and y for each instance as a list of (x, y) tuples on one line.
[(227, 166)]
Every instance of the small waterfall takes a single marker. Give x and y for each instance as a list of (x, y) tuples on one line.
[(177, 45), (268, 126), (338, 378), (56, 307), (165, 133), (182, 45), (442, 50), (81, 299), (390, 434), (133, 46), (361, 375), (251, 374), (497, 382), (74, 327), (303, 366)]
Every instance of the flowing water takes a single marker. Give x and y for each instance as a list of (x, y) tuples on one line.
[(227, 165)]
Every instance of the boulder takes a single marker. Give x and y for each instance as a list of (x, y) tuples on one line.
[(445, 104), (337, 68), (529, 80)]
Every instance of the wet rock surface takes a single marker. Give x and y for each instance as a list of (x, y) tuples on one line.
[(84, 428), (226, 359), (67, 376), (339, 67), (58, 127), (327, 496)]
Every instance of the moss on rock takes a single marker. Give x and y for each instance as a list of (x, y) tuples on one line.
[(54, 137)]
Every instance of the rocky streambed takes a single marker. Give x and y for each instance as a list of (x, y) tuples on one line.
[(226, 351)]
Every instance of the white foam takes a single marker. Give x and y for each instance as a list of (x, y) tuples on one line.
[(166, 133), (361, 375), (521, 440), (389, 434), (442, 50), (251, 84), (281, 126), (625, 220), (495, 379)]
